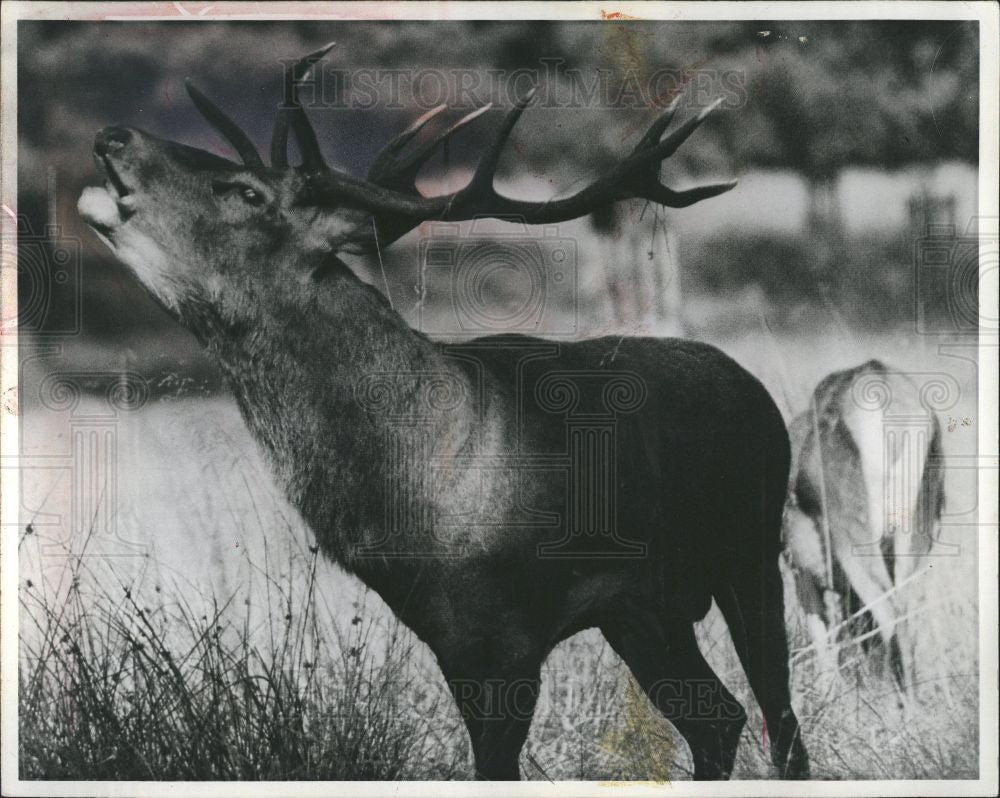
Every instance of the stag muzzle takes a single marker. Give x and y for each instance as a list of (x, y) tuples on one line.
[(110, 153), (111, 140), (115, 154)]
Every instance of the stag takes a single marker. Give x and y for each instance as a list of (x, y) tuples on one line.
[(500, 494), (866, 492)]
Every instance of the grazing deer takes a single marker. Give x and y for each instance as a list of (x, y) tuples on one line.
[(502, 494), (865, 494)]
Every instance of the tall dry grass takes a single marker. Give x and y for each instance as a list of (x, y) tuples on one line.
[(124, 682)]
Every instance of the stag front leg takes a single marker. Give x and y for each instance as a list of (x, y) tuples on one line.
[(497, 703)]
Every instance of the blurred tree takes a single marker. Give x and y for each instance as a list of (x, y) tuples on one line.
[(815, 97), (832, 95)]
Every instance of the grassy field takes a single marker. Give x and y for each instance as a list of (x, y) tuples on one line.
[(181, 626)]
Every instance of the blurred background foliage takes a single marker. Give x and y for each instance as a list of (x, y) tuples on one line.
[(806, 106)]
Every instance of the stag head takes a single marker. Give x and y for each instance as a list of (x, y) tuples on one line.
[(194, 225)]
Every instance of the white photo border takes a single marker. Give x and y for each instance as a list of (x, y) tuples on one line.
[(986, 13)]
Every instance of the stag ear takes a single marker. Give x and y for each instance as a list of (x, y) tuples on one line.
[(341, 229)]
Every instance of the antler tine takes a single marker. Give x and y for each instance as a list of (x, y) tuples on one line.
[(279, 140), (384, 161), (681, 199), (662, 123), (403, 174), (645, 183), (669, 145), (482, 178), (226, 126), (312, 155), (294, 114)]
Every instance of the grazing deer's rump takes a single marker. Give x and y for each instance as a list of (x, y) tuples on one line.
[(866, 491), (499, 494)]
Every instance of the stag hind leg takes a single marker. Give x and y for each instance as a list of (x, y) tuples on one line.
[(749, 591), (753, 606), (663, 656)]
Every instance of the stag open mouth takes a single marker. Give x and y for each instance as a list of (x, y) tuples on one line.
[(113, 179), (108, 207), (98, 209)]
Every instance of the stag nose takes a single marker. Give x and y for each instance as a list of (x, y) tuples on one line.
[(111, 140)]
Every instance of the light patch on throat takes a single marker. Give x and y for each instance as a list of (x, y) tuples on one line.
[(136, 249), (150, 263)]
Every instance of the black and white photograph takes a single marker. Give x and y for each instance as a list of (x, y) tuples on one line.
[(405, 398)]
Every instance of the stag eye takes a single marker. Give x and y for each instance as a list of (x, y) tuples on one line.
[(248, 194), (252, 196)]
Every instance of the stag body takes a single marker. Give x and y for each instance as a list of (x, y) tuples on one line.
[(446, 475), (471, 582)]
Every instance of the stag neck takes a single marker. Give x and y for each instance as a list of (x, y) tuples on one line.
[(328, 390)]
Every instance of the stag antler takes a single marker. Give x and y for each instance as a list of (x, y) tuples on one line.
[(389, 171), (293, 113), (398, 206), (226, 126), (390, 192)]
